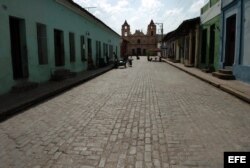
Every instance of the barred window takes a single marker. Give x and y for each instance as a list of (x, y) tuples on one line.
[(42, 44)]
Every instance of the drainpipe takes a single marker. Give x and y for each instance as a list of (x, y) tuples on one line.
[(242, 17)]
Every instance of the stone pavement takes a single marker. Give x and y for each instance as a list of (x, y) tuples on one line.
[(13, 102), (150, 115), (234, 87)]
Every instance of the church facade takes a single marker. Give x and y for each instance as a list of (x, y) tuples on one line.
[(139, 43)]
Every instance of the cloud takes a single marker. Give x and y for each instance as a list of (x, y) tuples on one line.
[(110, 13), (197, 5), (150, 4), (173, 12), (112, 9), (139, 13)]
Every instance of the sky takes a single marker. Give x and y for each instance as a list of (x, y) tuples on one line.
[(139, 13)]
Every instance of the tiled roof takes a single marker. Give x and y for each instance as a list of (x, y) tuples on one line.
[(183, 28)]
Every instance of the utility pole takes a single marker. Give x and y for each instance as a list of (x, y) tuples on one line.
[(161, 28)]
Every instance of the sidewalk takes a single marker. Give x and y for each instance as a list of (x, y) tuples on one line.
[(234, 87), (12, 103)]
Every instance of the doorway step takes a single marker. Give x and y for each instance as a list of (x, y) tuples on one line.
[(62, 74), (188, 65), (173, 60), (208, 69), (225, 74), (24, 86)]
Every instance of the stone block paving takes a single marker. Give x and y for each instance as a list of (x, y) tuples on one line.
[(149, 116)]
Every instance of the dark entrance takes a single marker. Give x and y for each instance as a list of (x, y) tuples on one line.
[(90, 60), (212, 44), (144, 52), (193, 50), (186, 47), (138, 51), (204, 46), (59, 48), (83, 58), (133, 51), (18, 48), (230, 40)]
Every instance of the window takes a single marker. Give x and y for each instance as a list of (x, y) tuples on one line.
[(89, 48), (105, 50), (138, 41), (100, 49), (111, 52), (72, 47), (126, 34), (98, 52), (42, 44), (126, 27), (152, 33), (83, 54), (59, 47)]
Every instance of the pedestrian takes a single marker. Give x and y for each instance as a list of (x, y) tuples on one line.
[(116, 60), (130, 59), (107, 58), (125, 58)]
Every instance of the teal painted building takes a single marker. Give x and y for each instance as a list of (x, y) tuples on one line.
[(210, 35), (38, 37), (235, 32)]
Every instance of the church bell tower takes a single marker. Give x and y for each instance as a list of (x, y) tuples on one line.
[(125, 29)]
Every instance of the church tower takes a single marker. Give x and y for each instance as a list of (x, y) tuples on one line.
[(151, 29), (125, 29)]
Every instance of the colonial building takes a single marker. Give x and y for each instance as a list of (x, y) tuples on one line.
[(182, 44), (39, 38), (140, 43), (235, 51), (210, 28)]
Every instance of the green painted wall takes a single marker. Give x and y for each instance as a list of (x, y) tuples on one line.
[(205, 8), (207, 25), (54, 16), (213, 2), (208, 5)]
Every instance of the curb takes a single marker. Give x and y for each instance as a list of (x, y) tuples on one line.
[(222, 87), (19, 108)]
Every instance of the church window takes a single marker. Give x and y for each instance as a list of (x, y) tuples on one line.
[(138, 41), (152, 33), (126, 34)]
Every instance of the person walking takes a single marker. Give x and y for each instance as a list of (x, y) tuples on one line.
[(116, 60), (107, 58), (130, 59)]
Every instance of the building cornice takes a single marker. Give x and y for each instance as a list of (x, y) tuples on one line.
[(211, 13)]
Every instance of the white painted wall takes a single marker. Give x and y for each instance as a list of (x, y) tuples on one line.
[(214, 11), (246, 33)]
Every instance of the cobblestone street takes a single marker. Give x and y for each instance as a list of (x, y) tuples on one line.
[(150, 115)]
